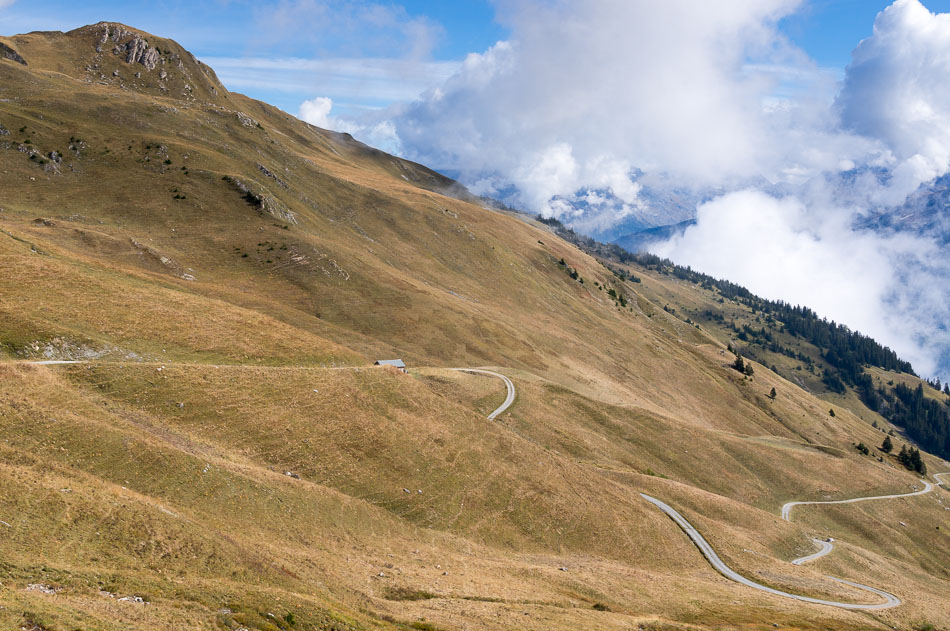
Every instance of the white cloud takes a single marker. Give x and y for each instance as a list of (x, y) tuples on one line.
[(380, 134), (6, 3), (897, 90), (317, 111), (592, 87), (710, 95)]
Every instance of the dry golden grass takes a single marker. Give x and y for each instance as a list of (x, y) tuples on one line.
[(212, 497)]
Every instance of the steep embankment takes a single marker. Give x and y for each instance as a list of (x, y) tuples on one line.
[(228, 454)]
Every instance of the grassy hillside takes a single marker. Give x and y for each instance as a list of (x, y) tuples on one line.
[(228, 458)]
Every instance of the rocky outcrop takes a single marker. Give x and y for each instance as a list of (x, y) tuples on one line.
[(271, 175), (246, 120), (135, 48), (8, 53), (61, 349), (116, 31), (259, 197), (139, 52), (275, 209)]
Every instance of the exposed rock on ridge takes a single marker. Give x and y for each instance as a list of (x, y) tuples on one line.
[(139, 52), (108, 48), (8, 53), (259, 197), (135, 46)]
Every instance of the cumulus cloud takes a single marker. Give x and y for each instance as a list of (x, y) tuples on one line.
[(594, 94), (381, 134), (897, 90), (586, 91), (317, 111)]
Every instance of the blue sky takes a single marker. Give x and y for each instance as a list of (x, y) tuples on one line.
[(222, 32), (227, 27), (829, 29), (225, 32)]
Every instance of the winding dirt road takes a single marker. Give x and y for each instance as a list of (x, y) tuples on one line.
[(890, 600), (509, 384), (826, 546), (787, 508)]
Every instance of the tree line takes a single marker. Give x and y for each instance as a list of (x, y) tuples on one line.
[(925, 420)]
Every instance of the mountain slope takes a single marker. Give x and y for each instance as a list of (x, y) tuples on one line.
[(640, 240), (229, 454)]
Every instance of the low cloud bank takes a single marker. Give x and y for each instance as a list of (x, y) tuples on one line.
[(803, 253)]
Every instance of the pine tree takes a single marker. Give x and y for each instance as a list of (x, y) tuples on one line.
[(773, 394), (887, 447), (904, 456), (739, 364)]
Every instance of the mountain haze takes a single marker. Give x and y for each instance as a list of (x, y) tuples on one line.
[(225, 456)]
